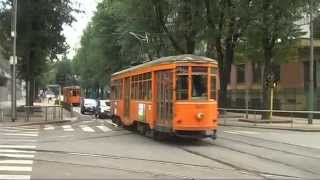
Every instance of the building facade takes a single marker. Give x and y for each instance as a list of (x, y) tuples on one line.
[(291, 92)]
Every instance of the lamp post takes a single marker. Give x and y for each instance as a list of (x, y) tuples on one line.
[(14, 60), (311, 63)]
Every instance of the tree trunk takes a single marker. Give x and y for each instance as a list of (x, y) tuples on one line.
[(266, 90)]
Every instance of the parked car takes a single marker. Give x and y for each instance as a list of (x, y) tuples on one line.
[(103, 109), (88, 106)]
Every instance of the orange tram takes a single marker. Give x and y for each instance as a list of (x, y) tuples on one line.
[(173, 95), (71, 95)]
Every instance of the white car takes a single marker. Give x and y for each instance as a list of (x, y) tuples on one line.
[(103, 109)]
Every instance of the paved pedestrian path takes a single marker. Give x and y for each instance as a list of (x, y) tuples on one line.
[(295, 124), (17, 151)]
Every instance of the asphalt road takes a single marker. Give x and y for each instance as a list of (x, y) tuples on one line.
[(97, 149)]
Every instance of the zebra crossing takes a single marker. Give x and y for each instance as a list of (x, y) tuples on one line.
[(76, 128), (17, 151)]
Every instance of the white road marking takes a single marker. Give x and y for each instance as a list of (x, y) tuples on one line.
[(48, 127), (110, 122), (18, 140), (22, 129), (86, 128), (17, 155), (104, 128), (17, 130), (15, 168), (14, 177), (21, 134), (241, 132), (15, 151), (231, 132), (67, 128), (16, 162), (18, 146)]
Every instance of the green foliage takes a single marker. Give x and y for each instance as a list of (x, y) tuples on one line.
[(39, 35)]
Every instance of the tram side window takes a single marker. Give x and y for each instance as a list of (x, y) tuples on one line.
[(141, 88), (116, 89), (213, 83), (213, 88), (182, 83)]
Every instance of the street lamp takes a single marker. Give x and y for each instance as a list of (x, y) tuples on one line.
[(13, 60), (311, 63)]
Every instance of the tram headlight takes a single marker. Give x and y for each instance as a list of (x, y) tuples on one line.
[(200, 116)]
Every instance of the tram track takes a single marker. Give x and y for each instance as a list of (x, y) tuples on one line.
[(269, 148), (256, 172)]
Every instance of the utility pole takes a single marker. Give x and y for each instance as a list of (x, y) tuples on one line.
[(14, 60), (311, 83)]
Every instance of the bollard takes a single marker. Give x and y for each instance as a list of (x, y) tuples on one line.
[(54, 114), (61, 113), (71, 110), (46, 113), (291, 117), (2, 115)]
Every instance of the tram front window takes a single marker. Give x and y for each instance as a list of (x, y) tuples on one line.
[(199, 86)]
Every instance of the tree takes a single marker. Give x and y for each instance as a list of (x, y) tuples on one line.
[(39, 37), (226, 22), (273, 30)]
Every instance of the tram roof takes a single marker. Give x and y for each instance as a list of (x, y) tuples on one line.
[(185, 58), (71, 87)]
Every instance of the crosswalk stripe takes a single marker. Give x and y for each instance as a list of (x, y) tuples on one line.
[(17, 155), (18, 140), (21, 128), (110, 122), (103, 128), (15, 177), (16, 130), (67, 128), (16, 162), (15, 151), (18, 146), (49, 127), (15, 168), (21, 134), (86, 128)]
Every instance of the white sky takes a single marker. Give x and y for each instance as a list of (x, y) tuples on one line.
[(73, 33)]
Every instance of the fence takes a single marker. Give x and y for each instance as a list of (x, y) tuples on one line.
[(255, 114), (288, 99), (29, 113)]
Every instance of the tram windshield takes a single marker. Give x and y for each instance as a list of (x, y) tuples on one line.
[(199, 83)]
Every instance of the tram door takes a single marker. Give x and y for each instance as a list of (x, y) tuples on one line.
[(164, 98), (127, 98)]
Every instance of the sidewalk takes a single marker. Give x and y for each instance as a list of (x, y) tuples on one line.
[(278, 122), (38, 117)]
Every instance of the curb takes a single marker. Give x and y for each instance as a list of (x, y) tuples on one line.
[(41, 123), (274, 128)]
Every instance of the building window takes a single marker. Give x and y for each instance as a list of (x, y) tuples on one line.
[(257, 70), (241, 73), (307, 74)]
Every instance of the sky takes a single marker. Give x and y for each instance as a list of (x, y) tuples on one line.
[(73, 33)]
